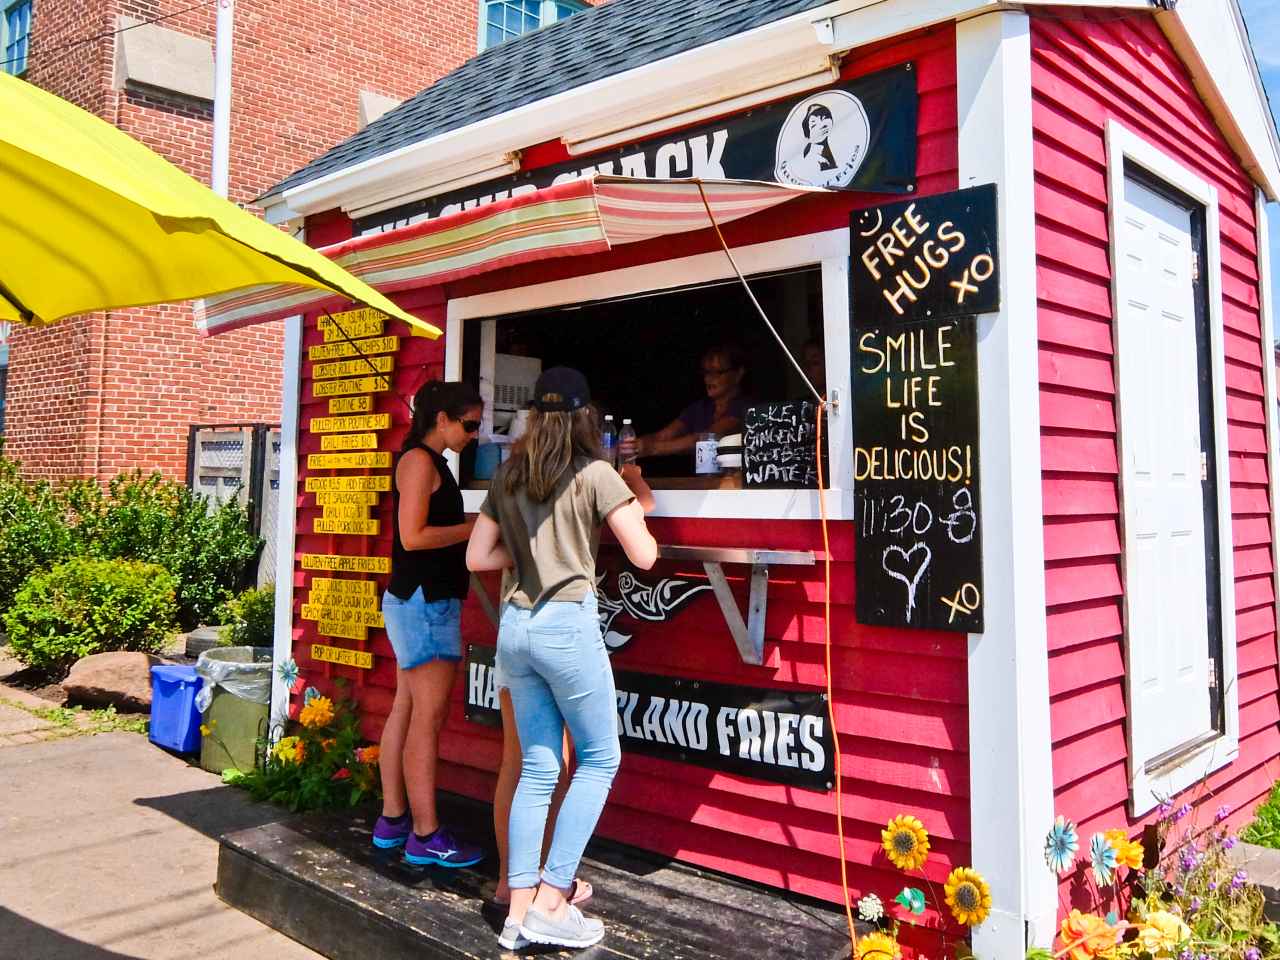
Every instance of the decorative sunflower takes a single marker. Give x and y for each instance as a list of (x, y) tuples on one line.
[(968, 896), (1102, 858), (1060, 845), (1163, 933), (906, 842), (878, 946), (287, 671)]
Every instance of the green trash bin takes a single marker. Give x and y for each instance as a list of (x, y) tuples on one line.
[(235, 705)]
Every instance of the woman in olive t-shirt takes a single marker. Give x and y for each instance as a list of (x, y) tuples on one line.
[(541, 523)]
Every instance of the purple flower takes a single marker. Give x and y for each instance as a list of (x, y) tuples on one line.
[(1213, 885), (1224, 811), (1239, 880), (1165, 808), (1188, 860), (1229, 841), (1181, 812), (1194, 905), (1253, 953), (1187, 954)]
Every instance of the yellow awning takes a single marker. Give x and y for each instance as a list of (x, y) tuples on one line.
[(90, 219)]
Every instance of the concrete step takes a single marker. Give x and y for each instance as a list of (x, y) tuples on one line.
[(318, 879)]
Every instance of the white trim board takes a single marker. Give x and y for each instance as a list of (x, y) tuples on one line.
[(287, 521), (1010, 746), (1147, 790), (1266, 303), (829, 250)]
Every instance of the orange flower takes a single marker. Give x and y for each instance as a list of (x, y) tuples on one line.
[(1128, 852), (1086, 936)]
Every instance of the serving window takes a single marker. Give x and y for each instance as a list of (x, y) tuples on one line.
[(657, 357)]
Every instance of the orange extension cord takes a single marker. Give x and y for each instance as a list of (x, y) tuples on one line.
[(826, 593)]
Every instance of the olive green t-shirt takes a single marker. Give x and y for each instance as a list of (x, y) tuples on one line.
[(554, 544)]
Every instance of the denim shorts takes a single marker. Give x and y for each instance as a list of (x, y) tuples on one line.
[(421, 631)]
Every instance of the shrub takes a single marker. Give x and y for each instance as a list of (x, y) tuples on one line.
[(252, 616), (90, 606), (159, 521), (33, 535)]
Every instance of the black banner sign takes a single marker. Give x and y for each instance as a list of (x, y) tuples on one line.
[(778, 735), (780, 448), (917, 516), (859, 135), (925, 259)]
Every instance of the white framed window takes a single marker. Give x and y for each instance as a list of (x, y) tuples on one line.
[(1179, 585), (15, 35), (500, 20), (827, 252)]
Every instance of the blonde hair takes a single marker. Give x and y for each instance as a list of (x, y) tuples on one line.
[(547, 450)]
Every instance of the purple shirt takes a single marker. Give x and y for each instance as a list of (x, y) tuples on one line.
[(699, 415)]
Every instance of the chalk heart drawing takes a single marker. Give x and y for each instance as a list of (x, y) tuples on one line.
[(651, 604), (909, 567)]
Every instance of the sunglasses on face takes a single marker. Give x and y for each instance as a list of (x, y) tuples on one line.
[(470, 426)]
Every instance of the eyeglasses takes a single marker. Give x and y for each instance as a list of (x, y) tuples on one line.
[(470, 426)]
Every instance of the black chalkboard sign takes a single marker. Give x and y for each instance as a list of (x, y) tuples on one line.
[(916, 479), (779, 445), (925, 259)]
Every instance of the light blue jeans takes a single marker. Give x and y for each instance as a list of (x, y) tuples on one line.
[(554, 662)]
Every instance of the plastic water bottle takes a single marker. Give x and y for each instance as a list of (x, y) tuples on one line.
[(609, 441), (628, 433)]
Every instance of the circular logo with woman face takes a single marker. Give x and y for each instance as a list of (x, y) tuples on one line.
[(823, 142)]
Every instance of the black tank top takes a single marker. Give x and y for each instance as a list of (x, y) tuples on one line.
[(441, 573)]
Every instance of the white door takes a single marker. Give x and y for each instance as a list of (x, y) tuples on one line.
[(1160, 444)]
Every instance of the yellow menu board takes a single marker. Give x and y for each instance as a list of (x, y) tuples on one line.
[(360, 498), (348, 441), (352, 601), (352, 615), (336, 351), (342, 656), (336, 388), (371, 421), (345, 511), (351, 404), (357, 588), (378, 481), (338, 628), (345, 564), (348, 461), (352, 368), (365, 322), (349, 528)]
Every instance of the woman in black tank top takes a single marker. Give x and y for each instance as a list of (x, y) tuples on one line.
[(422, 609)]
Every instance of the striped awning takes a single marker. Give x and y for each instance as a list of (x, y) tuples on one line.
[(582, 216)]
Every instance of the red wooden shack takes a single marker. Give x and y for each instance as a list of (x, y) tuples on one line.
[(1127, 472)]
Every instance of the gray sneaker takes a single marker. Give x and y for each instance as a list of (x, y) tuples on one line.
[(574, 930), (509, 938)]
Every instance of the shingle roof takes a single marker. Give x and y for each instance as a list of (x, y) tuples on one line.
[(591, 45)]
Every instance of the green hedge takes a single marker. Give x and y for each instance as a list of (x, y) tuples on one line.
[(91, 606), (138, 517), (252, 616)]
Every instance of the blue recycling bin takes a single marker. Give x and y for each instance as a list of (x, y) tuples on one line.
[(175, 721)]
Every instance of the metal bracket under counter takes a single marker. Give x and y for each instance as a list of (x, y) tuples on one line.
[(748, 634)]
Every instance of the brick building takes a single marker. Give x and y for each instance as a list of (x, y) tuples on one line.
[(107, 392)]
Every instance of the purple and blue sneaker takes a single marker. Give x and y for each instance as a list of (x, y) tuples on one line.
[(392, 832), (441, 849)]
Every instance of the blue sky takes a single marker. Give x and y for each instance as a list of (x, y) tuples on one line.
[(1263, 18)]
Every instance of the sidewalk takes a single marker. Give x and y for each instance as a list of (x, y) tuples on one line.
[(108, 851)]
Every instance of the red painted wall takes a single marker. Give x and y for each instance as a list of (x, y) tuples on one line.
[(1085, 71), (901, 695)]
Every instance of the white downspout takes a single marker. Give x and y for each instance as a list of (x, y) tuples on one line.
[(220, 173)]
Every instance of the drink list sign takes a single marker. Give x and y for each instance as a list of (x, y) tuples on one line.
[(915, 377)]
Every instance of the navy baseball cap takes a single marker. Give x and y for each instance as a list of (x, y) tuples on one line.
[(560, 390)]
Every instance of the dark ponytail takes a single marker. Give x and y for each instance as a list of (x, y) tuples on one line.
[(454, 398)]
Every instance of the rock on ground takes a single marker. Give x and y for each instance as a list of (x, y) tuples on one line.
[(120, 680)]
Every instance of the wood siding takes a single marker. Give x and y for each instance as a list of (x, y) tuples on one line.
[(1085, 71)]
